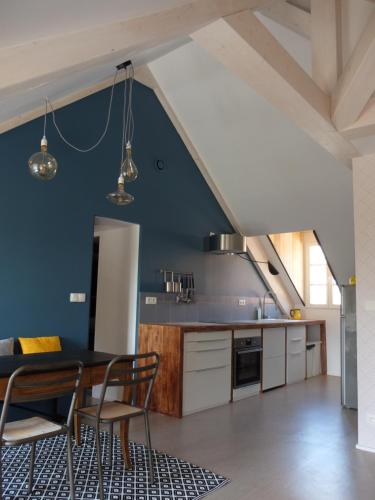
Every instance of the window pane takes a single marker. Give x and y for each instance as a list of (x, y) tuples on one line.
[(318, 294), (336, 295), (318, 275), (316, 255)]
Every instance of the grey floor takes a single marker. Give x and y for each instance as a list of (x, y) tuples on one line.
[(291, 443)]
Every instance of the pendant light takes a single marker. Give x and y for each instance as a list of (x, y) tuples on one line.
[(42, 165), (128, 169), (120, 197)]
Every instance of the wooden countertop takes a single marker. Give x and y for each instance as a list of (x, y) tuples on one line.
[(245, 325)]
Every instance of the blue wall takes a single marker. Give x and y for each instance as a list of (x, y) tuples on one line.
[(46, 228)]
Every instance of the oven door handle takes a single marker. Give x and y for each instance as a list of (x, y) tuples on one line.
[(248, 351)]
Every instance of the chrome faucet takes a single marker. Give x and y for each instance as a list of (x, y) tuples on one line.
[(271, 294)]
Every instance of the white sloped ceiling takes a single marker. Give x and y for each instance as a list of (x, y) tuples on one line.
[(273, 177)]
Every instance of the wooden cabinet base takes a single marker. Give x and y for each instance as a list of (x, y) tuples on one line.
[(167, 391)]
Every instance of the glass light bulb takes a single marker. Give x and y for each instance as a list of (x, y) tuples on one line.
[(43, 165), (120, 197), (129, 167)]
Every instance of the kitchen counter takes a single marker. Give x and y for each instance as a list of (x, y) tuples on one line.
[(188, 352), (199, 326)]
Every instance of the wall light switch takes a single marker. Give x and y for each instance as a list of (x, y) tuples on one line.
[(151, 301), (242, 302), (370, 418), (77, 297)]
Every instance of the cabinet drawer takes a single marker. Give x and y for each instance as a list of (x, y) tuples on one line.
[(296, 339), (273, 374), (204, 389), (273, 342), (296, 367), (202, 336), (202, 360), (207, 345)]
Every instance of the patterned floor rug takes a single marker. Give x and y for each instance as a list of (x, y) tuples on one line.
[(175, 478)]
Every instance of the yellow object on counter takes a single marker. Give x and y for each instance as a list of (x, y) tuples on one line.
[(352, 280), (295, 314)]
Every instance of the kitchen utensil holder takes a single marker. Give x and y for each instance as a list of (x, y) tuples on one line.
[(181, 284)]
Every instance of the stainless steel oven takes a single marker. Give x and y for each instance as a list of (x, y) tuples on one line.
[(247, 361)]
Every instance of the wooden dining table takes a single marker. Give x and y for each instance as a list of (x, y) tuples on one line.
[(95, 364)]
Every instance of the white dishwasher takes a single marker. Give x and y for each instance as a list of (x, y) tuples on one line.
[(207, 370)]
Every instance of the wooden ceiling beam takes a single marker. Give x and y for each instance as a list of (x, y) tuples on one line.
[(326, 43), (294, 18), (364, 125), (244, 45), (38, 62), (141, 74), (357, 82)]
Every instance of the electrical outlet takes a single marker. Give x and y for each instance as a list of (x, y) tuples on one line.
[(370, 418), (242, 302), (151, 301)]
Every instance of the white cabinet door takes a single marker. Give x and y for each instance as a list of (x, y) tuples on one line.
[(296, 354), (273, 342), (273, 369), (273, 372), (296, 339), (296, 367), (204, 359), (204, 389), (207, 370)]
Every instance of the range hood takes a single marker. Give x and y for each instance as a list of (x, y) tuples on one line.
[(222, 244), (233, 244)]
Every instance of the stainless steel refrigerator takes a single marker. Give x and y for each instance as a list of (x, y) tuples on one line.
[(348, 347)]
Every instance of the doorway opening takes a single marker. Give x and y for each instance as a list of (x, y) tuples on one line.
[(114, 286)]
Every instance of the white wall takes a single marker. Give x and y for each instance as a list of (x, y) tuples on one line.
[(116, 304), (272, 176), (332, 317), (364, 221)]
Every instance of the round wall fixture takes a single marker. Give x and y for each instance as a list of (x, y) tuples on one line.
[(160, 165)]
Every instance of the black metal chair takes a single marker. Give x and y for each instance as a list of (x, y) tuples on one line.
[(143, 370), (30, 383)]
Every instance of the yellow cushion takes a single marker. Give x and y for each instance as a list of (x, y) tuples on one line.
[(34, 345)]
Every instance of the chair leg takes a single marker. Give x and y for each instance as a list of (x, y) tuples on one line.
[(99, 460), (1, 473), (31, 469), (110, 451), (70, 464), (149, 449)]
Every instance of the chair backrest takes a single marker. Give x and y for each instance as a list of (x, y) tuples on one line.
[(131, 371), (42, 382)]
